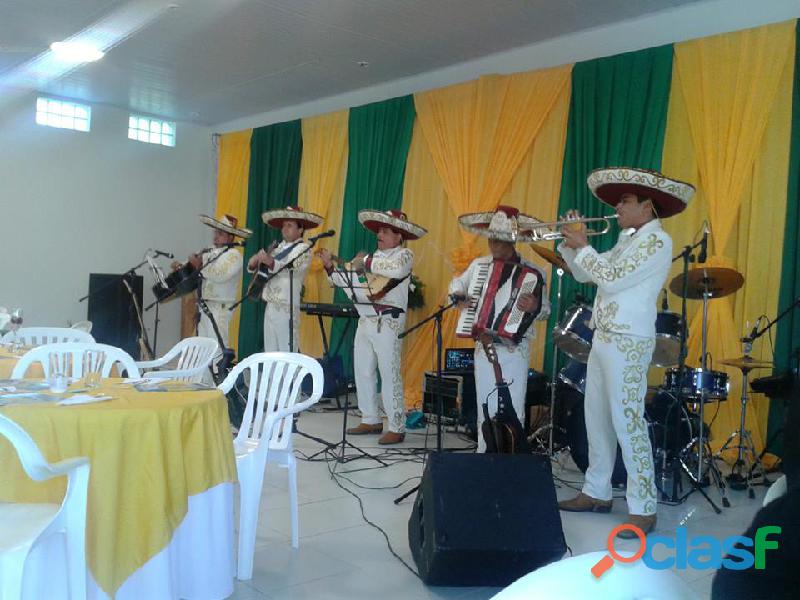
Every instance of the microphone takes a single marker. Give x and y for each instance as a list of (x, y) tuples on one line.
[(753, 333), (665, 301), (701, 258), (161, 253), (324, 234)]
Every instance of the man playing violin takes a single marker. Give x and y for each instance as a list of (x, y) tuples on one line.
[(629, 279), (377, 347), (292, 222)]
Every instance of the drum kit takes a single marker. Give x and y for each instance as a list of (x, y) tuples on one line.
[(675, 409)]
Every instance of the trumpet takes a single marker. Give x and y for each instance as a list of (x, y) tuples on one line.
[(545, 232)]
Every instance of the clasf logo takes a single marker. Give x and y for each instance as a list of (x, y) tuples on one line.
[(698, 552)]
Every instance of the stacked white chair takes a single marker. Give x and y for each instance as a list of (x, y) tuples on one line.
[(192, 357), (39, 336), (266, 434), (69, 358), (28, 527), (82, 326)]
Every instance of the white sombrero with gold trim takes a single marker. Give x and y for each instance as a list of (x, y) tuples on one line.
[(396, 219), (228, 224), (307, 220), (505, 223), (669, 196)]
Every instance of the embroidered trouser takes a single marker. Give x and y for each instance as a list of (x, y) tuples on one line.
[(276, 328), (616, 383), (221, 314), (514, 362), (377, 348)]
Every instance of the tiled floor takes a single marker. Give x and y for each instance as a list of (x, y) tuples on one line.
[(342, 557)]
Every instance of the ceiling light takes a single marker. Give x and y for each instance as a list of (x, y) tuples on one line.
[(76, 52), (363, 64)]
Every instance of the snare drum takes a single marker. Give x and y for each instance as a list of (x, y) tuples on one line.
[(572, 335), (668, 339), (574, 375), (695, 381)]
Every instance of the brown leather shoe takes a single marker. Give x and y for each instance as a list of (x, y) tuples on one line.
[(365, 428), (644, 522), (584, 503), (391, 437)]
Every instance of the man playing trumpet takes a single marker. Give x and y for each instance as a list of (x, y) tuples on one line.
[(628, 278)]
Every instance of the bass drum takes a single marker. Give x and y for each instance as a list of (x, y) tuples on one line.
[(572, 335)]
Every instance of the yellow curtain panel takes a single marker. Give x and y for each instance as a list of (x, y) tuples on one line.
[(232, 179), (321, 190), (458, 162), (728, 133)]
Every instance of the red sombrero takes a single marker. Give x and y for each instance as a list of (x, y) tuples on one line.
[(669, 196), (396, 219), (505, 223), (307, 220)]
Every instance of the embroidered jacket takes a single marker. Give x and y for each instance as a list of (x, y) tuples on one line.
[(629, 278), (395, 263), (223, 277), (276, 292)]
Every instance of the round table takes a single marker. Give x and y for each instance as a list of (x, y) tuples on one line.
[(162, 464), (8, 360)]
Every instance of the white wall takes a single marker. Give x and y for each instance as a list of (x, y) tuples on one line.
[(75, 203), (691, 21)]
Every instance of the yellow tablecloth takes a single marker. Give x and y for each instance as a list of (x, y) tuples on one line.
[(8, 361), (149, 452)]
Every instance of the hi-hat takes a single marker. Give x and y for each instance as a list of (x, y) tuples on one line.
[(716, 281), (551, 256), (746, 363)]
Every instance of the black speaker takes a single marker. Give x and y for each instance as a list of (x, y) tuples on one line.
[(484, 519), (112, 312)]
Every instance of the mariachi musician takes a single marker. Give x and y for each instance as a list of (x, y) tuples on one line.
[(292, 222), (222, 274), (502, 227), (629, 279), (376, 344)]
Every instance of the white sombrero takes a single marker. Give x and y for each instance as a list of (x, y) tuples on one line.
[(396, 219), (226, 223), (505, 223), (669, 196), (307, 220)]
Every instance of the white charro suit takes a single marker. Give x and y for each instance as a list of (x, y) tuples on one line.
[(629, 279), (222, 279)]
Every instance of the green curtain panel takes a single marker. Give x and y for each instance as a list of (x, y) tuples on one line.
[(275, 152), (787, 338), (379, 139), (618, 116)]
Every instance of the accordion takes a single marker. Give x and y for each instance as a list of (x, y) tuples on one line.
[(493, 297)]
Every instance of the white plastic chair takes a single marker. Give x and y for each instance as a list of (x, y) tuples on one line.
[(26, 526), (70, 360), (193, 356), (572, 579), (39, 336), (82, 326), (266, 435)]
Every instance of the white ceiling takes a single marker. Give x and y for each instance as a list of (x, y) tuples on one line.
[(212, 61)]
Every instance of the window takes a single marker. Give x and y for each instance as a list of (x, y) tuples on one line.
[(152, 131), (66, 115)]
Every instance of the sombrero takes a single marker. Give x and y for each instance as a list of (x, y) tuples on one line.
[(396, 219), (669, 196), (307, 220), (505, 223), (226, 223)]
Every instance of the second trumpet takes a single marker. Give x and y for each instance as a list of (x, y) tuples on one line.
[(545, 232)]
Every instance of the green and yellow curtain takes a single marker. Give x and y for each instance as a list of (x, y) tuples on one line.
[(721, 112)]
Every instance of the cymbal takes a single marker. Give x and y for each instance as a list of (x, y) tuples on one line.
[(717, 281), (551, 256), (745, 363)]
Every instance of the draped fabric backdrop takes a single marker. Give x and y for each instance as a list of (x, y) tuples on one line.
[(321, 191), (787, 336), (617, 118), (232, 178), (275, 153), (379, 138), (732, 95), (721, 120)]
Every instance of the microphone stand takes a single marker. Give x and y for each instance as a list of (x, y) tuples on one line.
[(437, 315)]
